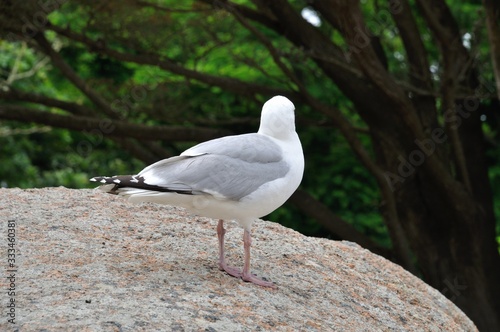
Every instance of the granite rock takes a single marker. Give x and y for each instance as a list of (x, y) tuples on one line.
[(88, 261)]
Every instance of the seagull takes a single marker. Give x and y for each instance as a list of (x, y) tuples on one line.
[(241, 177)]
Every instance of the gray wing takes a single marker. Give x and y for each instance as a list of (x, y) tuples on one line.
[(248, 147), (230, 167)]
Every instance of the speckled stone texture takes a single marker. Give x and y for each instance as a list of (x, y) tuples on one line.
[(88, 261)]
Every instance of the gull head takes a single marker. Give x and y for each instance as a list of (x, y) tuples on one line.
[(278, 118)]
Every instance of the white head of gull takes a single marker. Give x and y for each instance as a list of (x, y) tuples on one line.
[(241, 177)]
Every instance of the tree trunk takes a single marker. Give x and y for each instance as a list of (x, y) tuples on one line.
[(449, 228)]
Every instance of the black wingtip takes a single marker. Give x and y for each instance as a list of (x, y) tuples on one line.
[(133, 181), (104, 179)]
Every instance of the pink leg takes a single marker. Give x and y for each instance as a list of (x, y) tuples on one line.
[(222, 262), (246, 275)]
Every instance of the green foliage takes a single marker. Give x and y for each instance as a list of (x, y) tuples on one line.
[(55, 158)]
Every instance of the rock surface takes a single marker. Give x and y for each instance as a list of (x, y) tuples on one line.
[(87, 261)]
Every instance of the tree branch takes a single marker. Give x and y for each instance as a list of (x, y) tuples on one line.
[(352, 26), (272, 50), (315, 45), (16, 95), (140, 151), (226, 83), (321, 213), (72, 76), (456, 65), (492, 9), (148, 153), (420, 74), (108, 127), (249, 13)]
